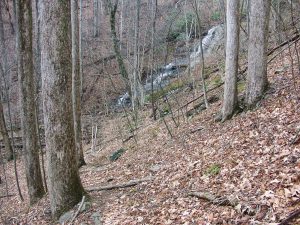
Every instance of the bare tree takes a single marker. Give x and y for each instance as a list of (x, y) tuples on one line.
[(257, 80), (153, 31), (112, 8), (31, 146), (4, 72), (232, 52), (64, 185), (76, 82), (137, 89), (196, 9)]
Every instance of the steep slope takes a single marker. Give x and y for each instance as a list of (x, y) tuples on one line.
[(254, 158)]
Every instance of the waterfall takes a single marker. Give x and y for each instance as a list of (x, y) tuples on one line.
[(210, 42)]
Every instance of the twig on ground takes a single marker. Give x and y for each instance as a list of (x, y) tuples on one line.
[(117, 186)]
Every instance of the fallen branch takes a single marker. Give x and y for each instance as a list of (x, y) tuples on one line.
[(78, 210), (6, 196), (128, 138), (117, 186), (224, 201), (294, 38), (196, 130), (296, 138), (200, 96), (216, 200), (294, 215), (282, 50)]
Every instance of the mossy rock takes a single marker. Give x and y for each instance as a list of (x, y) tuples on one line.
[(116, 155), (164, 91)]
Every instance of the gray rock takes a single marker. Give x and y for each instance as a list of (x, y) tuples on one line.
[(96, 217), (65, 217), (85, 206), (155, 168)]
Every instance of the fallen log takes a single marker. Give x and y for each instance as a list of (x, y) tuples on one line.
[(117, 186), (200, 96)]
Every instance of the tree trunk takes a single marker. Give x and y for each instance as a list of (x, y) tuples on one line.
[(196, 8), (5, 137), (96, 30), (76, 82), (64, 185), (4, 63), (153, 31), (28, 105), (80, 44), (232, 54), (38, 77), (3, 129), (136, 89), (257, 80)]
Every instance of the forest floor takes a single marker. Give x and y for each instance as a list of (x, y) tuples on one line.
[(254, 158)]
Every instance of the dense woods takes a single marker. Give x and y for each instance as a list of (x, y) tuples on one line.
[(149, 112)]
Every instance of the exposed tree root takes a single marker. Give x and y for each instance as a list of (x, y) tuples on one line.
[(117, 186)]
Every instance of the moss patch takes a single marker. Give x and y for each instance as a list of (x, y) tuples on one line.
[(213, 170)]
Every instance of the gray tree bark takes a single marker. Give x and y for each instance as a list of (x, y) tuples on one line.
[(80, 43), (96, 28), (136, 84), (257, 80), (31, 146), (4, 63), (232, 53), (76, 82), (5, 137), (3, 128), (153, 33), (37, 70), (64, 185)]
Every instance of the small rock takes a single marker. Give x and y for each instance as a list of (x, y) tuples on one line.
[(155, 168), (65, 217), (96, 217), (85, 206)]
